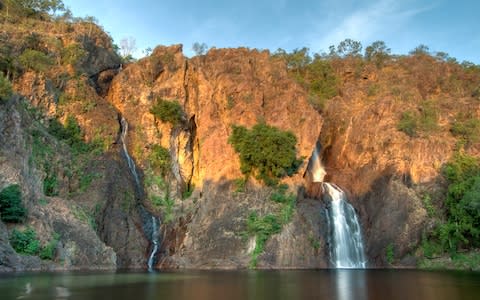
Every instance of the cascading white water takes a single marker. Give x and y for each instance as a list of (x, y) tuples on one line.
[(130, 162), (155, 233), (133, 170), (316, 168), (346, 245)]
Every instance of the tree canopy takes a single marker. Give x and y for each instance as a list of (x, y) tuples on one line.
[(265, 151)]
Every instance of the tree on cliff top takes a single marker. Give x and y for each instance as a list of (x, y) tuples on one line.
[(33, 7), (265, 151)]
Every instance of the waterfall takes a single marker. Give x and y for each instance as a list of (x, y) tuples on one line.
[(346, 246), (139, 193), (155, 233), (315, 166), (130, 162)]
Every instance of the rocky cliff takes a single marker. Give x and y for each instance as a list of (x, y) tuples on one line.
[(78, 187)]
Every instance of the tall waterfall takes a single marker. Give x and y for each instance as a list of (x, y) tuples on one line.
[(346, 245), (130, 162), (155, 234), (139, 190)]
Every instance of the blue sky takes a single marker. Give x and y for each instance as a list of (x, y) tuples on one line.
[(442, 25)]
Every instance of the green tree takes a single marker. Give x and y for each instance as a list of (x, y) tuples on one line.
[(25, 242), (160, 159), (265, 151), (377, 52), (349, 48), (420, 50), (5, 88), (199, 48), (11, 207), (72, 54), (321, 81), (30, 8), (168, 111), (462, 228), (35, 60), (297, 60), (468, 128)]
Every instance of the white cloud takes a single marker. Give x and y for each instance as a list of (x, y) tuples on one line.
[(378, 19)]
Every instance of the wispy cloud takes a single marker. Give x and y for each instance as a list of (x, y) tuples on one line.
[(364, 24)]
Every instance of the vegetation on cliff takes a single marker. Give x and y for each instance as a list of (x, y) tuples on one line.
[(12, 209), (64, 66), (265, 151), (263, 227), (459, 230), (168, 111)]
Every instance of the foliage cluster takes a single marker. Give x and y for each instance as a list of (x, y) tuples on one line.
[(315, 74), (461, 229), (389, 253), (35, 60), (467, 128), (160, 159), (11, 208), (265, 151), (166, 202), (72, 135), (264, 227), (421, 121), (168, 111), (33, 8), (72, 54), (26, 242), (5, 88)]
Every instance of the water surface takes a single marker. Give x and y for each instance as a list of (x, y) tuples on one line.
[(322, 284)]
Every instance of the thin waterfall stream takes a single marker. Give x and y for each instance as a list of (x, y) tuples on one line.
[(155, 222)]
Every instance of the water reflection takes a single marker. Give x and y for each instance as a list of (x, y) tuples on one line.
[(351, 284), (323, 284), (62, 293)]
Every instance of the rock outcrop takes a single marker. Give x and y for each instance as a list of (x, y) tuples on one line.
[(223, 88), (79, 246)]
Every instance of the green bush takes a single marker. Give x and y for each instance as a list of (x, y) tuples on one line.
[(389, 253), (462, 227), (408, 124), (35, 60), (262, 228), (378, 53), (422, 121), (72, 54), (265, 151), (50, 182), (11, 207), (167, 204), (168, 111), (71, 134), (321, 79), (467, 128), (160, 159), (25, 242), (48, 252), (428, 117), (5, 87)]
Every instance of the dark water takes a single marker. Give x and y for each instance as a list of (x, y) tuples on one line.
[(325, 284)]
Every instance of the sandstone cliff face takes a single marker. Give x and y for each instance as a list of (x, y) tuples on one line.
[(79, 246), (386, 172), (223, 88), (107, 222)]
